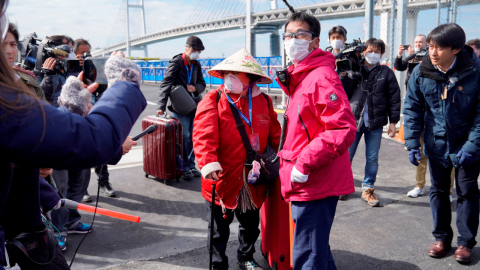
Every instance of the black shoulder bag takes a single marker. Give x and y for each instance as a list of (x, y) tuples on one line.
[(270, 166)]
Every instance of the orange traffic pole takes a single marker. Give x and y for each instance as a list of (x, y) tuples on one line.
[(79, 206)]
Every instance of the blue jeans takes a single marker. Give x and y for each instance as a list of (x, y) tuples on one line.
[(71, 184), (187, 129), (313, 222), (373, 138)]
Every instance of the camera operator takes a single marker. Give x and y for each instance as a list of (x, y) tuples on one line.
[(82, 50), (375, 102), (11, 49), (420, 43), (337, 36), (475, 44), (51, 78)]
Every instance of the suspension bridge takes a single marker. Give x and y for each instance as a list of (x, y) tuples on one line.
[(224, 15)]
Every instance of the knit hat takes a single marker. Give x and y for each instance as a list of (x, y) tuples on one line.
[(241, 61)]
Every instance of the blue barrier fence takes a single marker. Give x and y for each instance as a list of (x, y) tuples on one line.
[(154, 71)]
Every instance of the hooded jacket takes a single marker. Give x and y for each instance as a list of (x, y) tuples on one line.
[(451, 122), (218, 146), (317, 97), (177, 75), (379, 88)]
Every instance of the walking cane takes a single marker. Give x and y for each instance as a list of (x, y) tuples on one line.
[(212, 223)]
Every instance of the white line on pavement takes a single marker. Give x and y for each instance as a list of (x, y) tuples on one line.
[(151, 103)]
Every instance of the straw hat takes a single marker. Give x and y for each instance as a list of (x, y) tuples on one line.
[(241, 61)]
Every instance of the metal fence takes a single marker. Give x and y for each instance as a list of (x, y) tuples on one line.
[(154, 71)]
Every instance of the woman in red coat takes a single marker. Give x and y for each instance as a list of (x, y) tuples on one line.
[(221, 154)]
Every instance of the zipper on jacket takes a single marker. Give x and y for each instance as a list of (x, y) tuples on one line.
[(303, 124)]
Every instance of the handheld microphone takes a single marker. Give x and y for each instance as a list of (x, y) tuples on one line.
[(148, 130)]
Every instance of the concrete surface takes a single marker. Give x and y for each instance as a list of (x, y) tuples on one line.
[(173, 230)]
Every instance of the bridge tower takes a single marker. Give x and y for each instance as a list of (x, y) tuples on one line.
[(144, 28), (251, 32)]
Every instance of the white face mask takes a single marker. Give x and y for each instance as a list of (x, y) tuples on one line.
[(194, 55), (3, 26), (297, 49), (336, 44), (372, 58), (233, 84)]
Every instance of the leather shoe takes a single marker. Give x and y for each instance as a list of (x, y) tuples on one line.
[(438, 249), (463, 254)]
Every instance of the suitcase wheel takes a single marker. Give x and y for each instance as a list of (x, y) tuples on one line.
[(146, 175), (165, 182), (178, 179)]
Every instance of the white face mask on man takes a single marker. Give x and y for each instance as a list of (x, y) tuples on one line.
[(336, 44), (297, 49), (194, 55), (233, 84), (372, 58)]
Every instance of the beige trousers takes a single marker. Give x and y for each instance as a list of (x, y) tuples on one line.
[(422, 170)]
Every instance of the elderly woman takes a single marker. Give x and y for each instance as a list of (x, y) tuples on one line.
[(221, 153)]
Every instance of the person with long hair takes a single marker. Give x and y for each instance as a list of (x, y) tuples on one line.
[(37, 135)]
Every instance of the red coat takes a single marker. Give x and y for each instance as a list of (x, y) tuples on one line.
[(318, 96), (218, 146)]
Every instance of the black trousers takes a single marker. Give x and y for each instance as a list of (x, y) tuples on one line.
[(103, 174), (467, 204), (248, 233)]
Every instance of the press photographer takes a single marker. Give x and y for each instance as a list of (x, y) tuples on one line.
[(53, 74), (416, 55)]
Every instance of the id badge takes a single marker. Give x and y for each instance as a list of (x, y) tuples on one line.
[(254, 141)]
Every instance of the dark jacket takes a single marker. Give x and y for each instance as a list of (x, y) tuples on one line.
[(51, 84), (448, 124), (177, 75), (379, 88), (402, 65), (69, 141)]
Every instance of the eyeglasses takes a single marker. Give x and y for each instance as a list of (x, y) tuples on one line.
[(300, 34)]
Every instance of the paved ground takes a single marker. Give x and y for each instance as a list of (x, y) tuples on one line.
[(173, 229)]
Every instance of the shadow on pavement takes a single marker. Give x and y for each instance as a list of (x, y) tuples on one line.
[(346, 260)]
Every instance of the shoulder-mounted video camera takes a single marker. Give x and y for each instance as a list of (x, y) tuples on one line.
[(347, 58), (421, 54), (33, 52)]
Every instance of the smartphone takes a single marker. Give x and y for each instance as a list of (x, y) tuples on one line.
[(94, 70), (406, 47)]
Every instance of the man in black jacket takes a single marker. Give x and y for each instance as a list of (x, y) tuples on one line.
[(401, 64), (375, 102), (184, 70)]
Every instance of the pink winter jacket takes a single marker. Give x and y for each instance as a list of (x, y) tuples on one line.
[(317, 95)]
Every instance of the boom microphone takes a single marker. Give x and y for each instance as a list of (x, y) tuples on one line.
[(148, 130)]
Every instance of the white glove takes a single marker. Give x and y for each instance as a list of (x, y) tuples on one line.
[(298, 177)]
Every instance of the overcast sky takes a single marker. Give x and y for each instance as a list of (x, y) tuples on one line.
[(102, 22)]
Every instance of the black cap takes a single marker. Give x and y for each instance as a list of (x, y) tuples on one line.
[(195, 43)]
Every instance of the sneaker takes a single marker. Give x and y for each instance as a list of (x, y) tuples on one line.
[(451, 198), (62, 242), (80, 228), (187, 175), (342, 197), (414, 193), (370, 197), (86, 197), (195, 172), (107, 188), (249, 265)]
